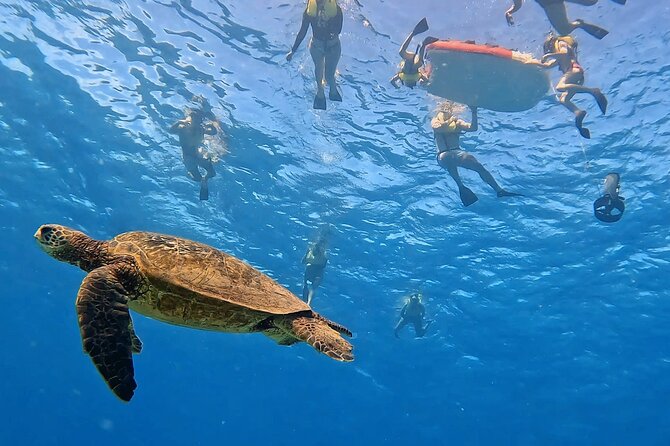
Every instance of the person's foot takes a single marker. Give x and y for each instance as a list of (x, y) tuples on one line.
[(505, 193), (320, 101), (601, 100), (334, 94), (579, 121)]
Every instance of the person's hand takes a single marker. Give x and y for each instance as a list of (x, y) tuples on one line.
[(544, 58), (289, 56), (509, 18)]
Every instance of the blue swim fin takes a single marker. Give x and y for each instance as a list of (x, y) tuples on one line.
[(204, 190), (319, 102), (334, 94)]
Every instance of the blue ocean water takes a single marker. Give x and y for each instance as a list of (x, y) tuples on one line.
[(550, 327)]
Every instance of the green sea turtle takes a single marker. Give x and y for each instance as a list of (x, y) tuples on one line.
[(180, 282)]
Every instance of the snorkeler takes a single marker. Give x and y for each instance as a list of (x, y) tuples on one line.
[(325, 16), (410, 67), (563, 52), (315, 260), (558, 16), (191, 131), (413, 312), (447, 130), (610, 207)]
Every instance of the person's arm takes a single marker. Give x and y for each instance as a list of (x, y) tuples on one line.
[(177, 126), (394, 80), (339, 20), (403, 311), (301, 35), (403, 48), (439, 125), (562, 50), (514, 8), (474, 125)]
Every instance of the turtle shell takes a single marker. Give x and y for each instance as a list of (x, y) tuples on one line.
[(175, 264)]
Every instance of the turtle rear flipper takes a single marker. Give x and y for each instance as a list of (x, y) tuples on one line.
[(317, 333), (106, 330)]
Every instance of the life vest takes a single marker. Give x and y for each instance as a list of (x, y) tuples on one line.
[(568, 40), (409, 77), (330, 8)]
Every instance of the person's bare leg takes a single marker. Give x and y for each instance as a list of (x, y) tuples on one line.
[(447, 161), (332, 57), (566, 100), (573, 89), (558, 16), (470, 162), (317, 52)]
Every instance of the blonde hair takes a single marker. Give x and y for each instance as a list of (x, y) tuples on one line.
[(330, 8), (450, 109)]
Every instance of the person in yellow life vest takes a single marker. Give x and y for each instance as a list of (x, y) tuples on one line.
[(410, 68), (413, 313), (558, 16), (325, 17), (315, 260), (447, 130), (562, 51)]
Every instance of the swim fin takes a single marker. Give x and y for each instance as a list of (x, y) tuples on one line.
[(319, 102), (420, 27), (601, 100), (204, 190), (579, 122), (621, 2), (334, 94), (594, 30), (505, 193), (467, 196)]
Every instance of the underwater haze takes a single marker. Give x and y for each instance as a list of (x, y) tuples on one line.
[(550, 327)]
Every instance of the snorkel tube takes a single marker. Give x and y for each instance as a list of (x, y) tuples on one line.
[(610, 207)]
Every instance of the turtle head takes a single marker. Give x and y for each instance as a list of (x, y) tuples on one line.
[(69, 245)]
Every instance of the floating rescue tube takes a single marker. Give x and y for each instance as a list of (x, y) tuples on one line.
[(484, 76)]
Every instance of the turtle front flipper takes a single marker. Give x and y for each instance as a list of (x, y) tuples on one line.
[(317, 333), (136, 343), (106, 327)]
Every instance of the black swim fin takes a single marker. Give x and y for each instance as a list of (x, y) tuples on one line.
[(579, 123), (204, 190), (467, 196), (319, 102), (596, 31), (420, 27)]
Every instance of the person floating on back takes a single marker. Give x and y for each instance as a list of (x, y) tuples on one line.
[(447, 130), (562, 51), (558, 16), (191, 131), (410, 67), (315, 260), (325, 17), (413, 312)]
